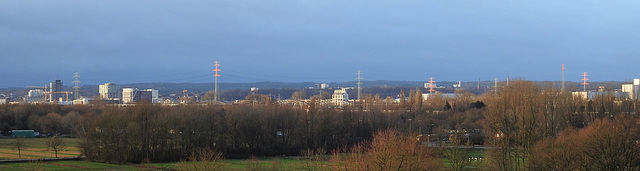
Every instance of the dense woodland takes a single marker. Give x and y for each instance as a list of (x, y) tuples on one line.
[(527, 127)]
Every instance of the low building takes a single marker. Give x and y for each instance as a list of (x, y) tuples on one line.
[(426, 96), (23, 133), (82, 101), (133, 95)]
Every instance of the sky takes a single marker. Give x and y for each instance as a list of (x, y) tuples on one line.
[(122, 41)]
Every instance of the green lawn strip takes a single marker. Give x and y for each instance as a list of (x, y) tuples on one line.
[(32, 166), (282, 164), (39, 142), (46, 151), (96, 165), (66, 165), (38, 154), (172, 165), (24, 156)]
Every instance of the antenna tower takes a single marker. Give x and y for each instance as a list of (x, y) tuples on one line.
[(215, 97), (431, 85), (359, 84), (478, 83), (562, 78), (76, 88), (584, 81)]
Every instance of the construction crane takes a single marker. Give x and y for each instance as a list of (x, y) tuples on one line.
[(61, 92), (46, 93)]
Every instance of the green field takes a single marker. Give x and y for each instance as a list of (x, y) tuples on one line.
[(288, 163), (37, 148), (258, 164)]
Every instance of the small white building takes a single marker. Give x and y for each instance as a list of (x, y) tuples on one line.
[(324, 86), (82, 101)]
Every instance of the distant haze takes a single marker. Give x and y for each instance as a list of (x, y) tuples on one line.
[(316, 41)]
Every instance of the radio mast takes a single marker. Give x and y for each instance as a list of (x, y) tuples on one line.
[(215, 91)]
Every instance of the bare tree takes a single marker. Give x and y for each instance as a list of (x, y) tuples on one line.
[(204, 159), (390, 150), (56, 144), (18, 144), (299, 95)]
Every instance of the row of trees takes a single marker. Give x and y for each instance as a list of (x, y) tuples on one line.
[(158, 134)]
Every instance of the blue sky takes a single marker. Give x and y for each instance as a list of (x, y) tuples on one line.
[(316, 41)]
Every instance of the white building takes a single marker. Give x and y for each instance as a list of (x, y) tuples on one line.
[(632, 89), (324, 86), (36, 95), (340, 96), (82, 101), (426, 96), (110, 91), (457, 85), (580, 94), (127, 95), (133, 95)]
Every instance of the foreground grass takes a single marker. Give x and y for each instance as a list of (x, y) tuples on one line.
[(66, 165), (37, 148), (286, 163), (230, 164)]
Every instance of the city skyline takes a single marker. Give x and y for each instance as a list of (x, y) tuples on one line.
[(306, 41)]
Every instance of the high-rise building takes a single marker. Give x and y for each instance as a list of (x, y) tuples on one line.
[(155, 97), (110, 91), (55, 91), (128, 94)]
